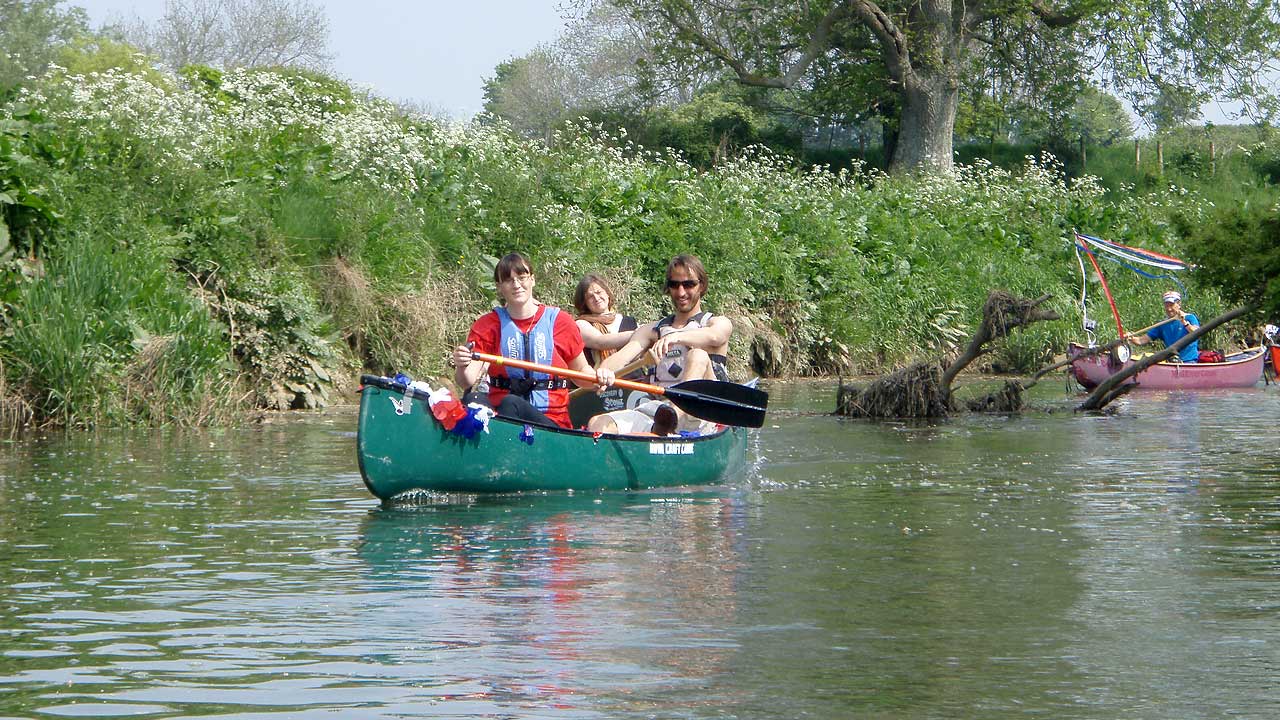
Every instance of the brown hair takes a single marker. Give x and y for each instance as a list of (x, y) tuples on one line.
[(580, 294), (692, 265), (511, 264)]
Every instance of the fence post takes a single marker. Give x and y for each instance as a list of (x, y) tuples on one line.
[(1137, 154), (1213, 159), (1160, 157), (1084, 157)]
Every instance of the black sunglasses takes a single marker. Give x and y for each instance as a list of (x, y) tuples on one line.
[(686, 284)]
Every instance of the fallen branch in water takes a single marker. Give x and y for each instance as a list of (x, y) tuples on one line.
[(923, 390)]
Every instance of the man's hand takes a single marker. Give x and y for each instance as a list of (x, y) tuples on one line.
[(663, 344)]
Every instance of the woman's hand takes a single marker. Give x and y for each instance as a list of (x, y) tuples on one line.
[(462, 356), (604, 378)]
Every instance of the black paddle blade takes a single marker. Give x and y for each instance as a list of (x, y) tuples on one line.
[(725, 403)]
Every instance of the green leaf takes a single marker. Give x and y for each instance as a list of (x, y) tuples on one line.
[(319, 371)]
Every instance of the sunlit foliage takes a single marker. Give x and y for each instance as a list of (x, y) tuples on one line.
[(282, 231)]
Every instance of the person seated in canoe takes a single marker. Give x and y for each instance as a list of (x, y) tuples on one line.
[(603, 328), (689, 344), (524, 329), (1175, 329)]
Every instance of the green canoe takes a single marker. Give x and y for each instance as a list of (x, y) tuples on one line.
[(403, 451)]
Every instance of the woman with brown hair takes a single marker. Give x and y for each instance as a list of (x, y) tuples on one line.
[(521, 328), (603, 328)]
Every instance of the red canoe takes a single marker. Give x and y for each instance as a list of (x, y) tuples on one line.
[(1242, 369), (1275, 358)]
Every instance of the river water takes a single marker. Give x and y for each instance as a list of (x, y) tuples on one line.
[(1045, 565)]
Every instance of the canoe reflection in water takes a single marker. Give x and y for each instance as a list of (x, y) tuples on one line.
[(570, 601)]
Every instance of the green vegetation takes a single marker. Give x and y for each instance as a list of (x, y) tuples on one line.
[(909, 64), (188, 249)]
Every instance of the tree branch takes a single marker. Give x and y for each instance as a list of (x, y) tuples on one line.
[(894, 45), (684, 18), (1054, 18)]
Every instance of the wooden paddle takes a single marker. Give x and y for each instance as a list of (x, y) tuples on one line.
[(725, 403), (645, 360), (1143, 330)]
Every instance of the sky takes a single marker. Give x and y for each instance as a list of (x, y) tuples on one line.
[(436, 53)]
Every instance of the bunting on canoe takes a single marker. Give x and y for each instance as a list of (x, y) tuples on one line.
[(1126, 256), (1123, 254)]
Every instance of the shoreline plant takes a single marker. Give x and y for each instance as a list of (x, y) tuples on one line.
[(192, 248)]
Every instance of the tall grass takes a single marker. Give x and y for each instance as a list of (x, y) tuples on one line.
[(105, 337), (252, 240)]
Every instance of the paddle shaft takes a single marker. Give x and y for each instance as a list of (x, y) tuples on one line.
[(1145, 329), (725, 403), (644, 360), (566, 372)]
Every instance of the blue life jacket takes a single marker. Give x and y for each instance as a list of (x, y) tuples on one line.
[(538, 345)]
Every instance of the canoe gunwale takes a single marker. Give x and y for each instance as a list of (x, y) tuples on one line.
[(1245, 355), (393, 386)]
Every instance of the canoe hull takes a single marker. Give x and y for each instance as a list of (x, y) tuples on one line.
[(405, 451), (1242, 369)]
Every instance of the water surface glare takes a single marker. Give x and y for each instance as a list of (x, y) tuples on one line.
[(1046, 565)]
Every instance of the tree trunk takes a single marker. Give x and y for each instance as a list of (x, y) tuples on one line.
[(928, 73), (889, 139), (928, 123)]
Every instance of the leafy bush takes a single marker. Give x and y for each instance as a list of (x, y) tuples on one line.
[(107, 334), (283, 231)]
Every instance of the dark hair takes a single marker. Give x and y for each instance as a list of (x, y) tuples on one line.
[(692, 265), (511, 264), (580, 294)]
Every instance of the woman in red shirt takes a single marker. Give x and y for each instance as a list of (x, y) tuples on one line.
[(522, 329)]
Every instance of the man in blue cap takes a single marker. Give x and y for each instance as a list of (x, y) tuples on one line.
[(1179, 325)]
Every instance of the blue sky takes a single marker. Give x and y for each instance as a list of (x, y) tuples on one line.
[(435, 52)]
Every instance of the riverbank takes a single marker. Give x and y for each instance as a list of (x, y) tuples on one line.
[(191, 250)]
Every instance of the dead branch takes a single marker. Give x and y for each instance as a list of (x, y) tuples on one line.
[(1001, 314), (923, 390)]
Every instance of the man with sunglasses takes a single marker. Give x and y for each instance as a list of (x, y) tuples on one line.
[(689, 344)]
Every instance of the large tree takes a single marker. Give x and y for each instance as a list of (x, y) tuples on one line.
[(921, 52), (535, 93), (603, 62)]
